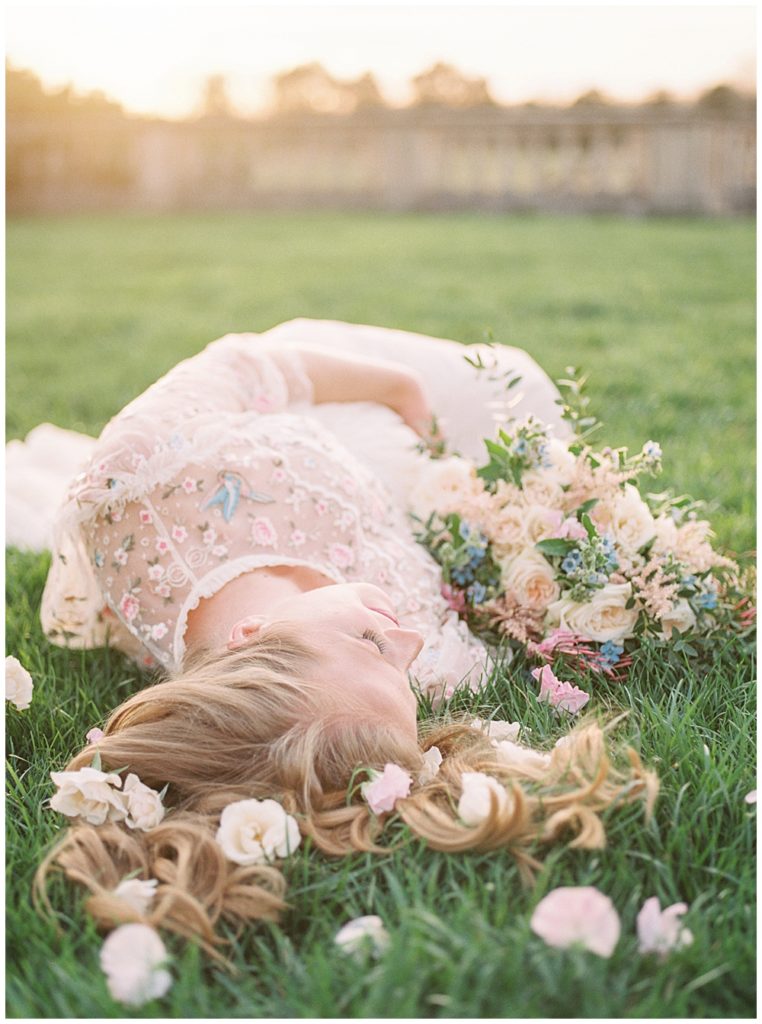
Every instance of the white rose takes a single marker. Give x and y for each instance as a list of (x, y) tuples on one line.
[(363, 933), (475, 803), (602, 618), (442, 487), (88, 794), (627, 517), (497, 730), (681, 617), (531, 578), (561, 460), (516, 756), (540, 487), (144, 806), (137, 892), (255, 831), (18, 684), (132, 958)]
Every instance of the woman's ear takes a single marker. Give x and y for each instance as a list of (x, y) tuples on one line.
[(244, 630)]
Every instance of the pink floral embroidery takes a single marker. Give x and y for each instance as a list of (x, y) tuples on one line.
[(163, 590), (209, 536), (345, 520), (298, 537), (116, 517), (219, 550), (129, 606), (263, 532), (341, 555), (155, 572), (263, 402), (145, 517), (159, 630), (279, 476), (321, 507), (120, 556), (162, 545), (189, 485), (179, 533)]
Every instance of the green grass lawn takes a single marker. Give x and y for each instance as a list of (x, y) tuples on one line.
[(661, 315)]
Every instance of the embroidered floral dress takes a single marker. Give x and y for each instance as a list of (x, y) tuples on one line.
[(218, 469)]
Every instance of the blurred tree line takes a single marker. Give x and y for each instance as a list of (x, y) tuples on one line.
[(312, 89)]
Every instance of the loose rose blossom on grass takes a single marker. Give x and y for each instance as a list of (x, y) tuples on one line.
[(516, 756), (363, 933), (88, 794), (133, 958), (660, 931), (18, 684), (386, 788), (577, 915), (497, 730), (144, 806), (479, 793), (751, 797), (94, 735), (137, 892), (557, 693), (257, 831)]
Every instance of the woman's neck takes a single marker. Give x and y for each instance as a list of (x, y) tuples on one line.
[(251, 593)]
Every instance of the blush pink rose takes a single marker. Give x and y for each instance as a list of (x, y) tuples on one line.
[(386, 788), (129, 606), (263, 532), (557, 693), (577, 915)]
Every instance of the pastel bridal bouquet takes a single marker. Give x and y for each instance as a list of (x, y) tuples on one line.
[(559, 548)]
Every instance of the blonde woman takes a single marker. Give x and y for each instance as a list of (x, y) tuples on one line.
[(242, 525)]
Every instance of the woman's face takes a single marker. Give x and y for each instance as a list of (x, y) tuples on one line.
[(363, 655)]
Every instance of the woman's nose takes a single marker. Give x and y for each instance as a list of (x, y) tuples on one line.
[(404, 646)]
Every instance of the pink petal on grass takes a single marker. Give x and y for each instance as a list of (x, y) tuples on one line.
[(577, 915), (557, 693), (386, 788), (751, 797), (660, 931)]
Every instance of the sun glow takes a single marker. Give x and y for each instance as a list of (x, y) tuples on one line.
[(154, 58)]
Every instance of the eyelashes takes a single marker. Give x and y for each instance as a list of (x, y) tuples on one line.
[(375, 638)]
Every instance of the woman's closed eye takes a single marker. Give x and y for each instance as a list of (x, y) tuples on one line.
[(375, 638)]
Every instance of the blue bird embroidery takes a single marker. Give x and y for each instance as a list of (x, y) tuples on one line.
[(230, 493)]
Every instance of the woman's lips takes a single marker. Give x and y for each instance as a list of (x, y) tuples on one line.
[(388, 615)]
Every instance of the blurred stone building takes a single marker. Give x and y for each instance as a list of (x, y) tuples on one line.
[(354, 152)]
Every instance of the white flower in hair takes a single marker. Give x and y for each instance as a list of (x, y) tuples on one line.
[(256, 831), (18, 684), (88, 794), (133, 959), (144, 807), (432, 759), (139, 893), (476, 799), (363, 933), (515, 756), (497, 730)]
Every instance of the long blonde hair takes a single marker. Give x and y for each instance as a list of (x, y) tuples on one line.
[(248, 724)]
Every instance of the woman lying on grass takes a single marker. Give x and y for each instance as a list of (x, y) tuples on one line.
[(242, 525)]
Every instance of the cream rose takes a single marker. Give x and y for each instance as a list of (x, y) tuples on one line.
[(144, 806), (627, 518), (541, 522), (139, 893), (476, 799), (18, 684), (541, 488), (88, 794), (443, 486), (602, 618), (133, 959), (561, 460), (681, 617), (506, 530), (256, 831), (531, 578)]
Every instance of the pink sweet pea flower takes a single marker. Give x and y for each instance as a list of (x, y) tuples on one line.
[(557, 693), (580, 915), (386, 788), (660, 931)]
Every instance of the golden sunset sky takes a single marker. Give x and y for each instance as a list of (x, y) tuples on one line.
[(152, 57)]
